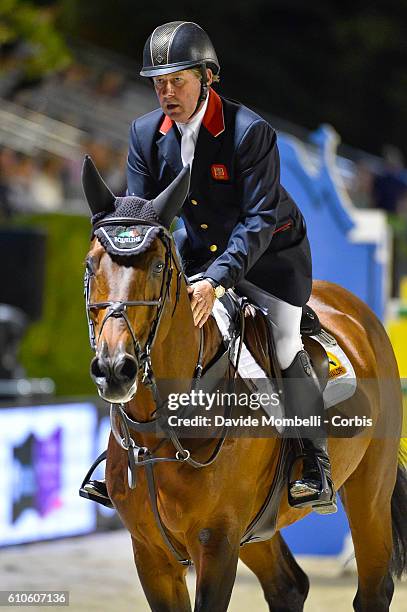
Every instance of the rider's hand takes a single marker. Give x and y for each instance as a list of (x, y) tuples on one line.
[(202, 298)]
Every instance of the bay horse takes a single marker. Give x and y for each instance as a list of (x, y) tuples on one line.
[(142, 301)]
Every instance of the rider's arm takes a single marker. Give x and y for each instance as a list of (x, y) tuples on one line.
[(259, 192), (139, 180)]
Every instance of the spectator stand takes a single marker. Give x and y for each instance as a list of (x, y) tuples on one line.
[(102, 92), (349, 246)]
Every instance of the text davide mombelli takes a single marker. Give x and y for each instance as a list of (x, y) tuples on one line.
[(254, 401)]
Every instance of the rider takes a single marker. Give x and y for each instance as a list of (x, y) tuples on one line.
[(240, 226)]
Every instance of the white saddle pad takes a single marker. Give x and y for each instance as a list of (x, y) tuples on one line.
[(342, 379), (341, 383)]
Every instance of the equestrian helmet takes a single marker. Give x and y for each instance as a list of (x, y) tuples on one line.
[(178, 45)]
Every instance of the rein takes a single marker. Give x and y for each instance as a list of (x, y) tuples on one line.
[(141, 456)]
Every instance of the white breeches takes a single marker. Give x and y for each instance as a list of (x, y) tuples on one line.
[(285, 319)]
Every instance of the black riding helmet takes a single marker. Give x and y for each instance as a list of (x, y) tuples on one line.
[(179, 45)]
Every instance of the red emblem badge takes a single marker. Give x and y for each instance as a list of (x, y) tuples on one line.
[(219, 172)]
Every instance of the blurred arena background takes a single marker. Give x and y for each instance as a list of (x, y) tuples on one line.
[(332, 82)]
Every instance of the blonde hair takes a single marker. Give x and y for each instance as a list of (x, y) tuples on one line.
[(198, 74)]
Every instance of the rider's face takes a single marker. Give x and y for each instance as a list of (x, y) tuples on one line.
[(178, 93)]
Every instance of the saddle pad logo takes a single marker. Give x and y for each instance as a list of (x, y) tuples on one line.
[(219, 172), (336, 368)]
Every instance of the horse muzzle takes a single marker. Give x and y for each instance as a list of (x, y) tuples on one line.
[(115, 377)]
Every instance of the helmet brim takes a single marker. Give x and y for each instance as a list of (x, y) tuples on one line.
[(151, 71)]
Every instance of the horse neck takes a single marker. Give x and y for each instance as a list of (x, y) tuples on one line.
[(175, 352)]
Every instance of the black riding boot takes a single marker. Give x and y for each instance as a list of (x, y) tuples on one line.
[(304, 398)]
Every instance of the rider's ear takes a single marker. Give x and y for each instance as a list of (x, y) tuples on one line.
[(97, 193), (169, 203)]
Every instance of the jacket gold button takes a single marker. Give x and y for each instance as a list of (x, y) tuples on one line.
[(213, 248), (194, 202), (204, 226)]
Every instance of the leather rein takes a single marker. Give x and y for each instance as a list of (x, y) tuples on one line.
[(121, 424)]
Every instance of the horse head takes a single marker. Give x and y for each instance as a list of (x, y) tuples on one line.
[(130, 285)]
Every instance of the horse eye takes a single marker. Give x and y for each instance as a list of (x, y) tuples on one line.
[(158, 267)]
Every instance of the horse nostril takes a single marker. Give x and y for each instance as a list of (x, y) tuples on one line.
[(98, 369), (126, 368)]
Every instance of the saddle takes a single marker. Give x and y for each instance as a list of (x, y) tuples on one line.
[(259, 340)]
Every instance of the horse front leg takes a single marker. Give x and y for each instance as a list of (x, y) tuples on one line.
[(215, 552), (162, 578), (284, 583)]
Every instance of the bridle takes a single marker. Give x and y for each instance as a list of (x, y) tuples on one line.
[(118, 309)]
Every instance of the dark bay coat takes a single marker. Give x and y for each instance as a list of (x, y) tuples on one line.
[(240, 222)]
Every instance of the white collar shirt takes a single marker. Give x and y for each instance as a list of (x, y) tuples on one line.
[(189, 132)]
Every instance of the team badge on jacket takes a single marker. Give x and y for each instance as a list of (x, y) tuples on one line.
[(219, 172)]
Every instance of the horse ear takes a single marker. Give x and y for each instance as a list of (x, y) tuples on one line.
[(97, 193), (169, 203)]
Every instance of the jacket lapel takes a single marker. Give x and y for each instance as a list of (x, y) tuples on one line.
[(210, 138), (169, 145)]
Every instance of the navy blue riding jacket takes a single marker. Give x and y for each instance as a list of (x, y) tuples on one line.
[(240, 223)]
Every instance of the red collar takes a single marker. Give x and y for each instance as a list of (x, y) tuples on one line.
[(213, 119)]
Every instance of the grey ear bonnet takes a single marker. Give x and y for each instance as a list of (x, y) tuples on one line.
[(156, 214), (98, 195), (128, 240), (130, 206)]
